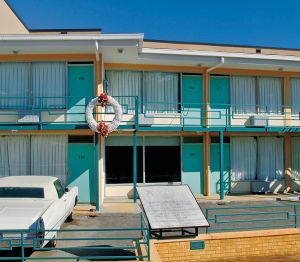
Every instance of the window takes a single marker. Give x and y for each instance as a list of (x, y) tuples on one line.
[(21, 192), (157, 91), (258, 158), (34, 155), (59, 188), (162, 164), (158, 159), (32, 85), (295, 95), (256, 95), (295, 144)]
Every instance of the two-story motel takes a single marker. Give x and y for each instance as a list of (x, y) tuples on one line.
[(192, 112)]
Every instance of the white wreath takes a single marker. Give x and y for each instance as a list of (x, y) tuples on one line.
[(102, 127)]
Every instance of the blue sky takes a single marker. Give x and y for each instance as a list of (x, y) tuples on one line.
[(274, 23)]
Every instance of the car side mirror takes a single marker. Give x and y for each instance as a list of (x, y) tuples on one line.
[(67, 189)]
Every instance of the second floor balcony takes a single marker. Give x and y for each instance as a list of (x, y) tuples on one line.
[(68, 112)]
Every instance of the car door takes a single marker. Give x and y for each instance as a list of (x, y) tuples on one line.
[(62, 201)]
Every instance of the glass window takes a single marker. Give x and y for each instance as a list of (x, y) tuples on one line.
[(162, 164), (59, 188), (21, 192), (119, 164)]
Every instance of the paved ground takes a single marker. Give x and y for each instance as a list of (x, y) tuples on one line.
[(132, 219)]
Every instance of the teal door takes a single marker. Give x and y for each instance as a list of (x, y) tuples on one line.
[(215, 167), (81, 170), (193, 167), (219, 98), (192, 99), (80, 91)]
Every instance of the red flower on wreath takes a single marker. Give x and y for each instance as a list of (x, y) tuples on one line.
[(103, 100), (103, 128)]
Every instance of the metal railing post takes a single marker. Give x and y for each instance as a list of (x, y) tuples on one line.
[(134, 166), (295, 216), (22, 248), (221, 167), (136, 109)]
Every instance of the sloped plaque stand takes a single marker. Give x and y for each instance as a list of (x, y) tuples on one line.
[(171, 208)]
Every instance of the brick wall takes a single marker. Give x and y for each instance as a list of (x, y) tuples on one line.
[(278, 244)]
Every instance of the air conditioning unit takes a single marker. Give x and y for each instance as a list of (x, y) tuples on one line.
[(28, 118), (260, 187), (257, 121)]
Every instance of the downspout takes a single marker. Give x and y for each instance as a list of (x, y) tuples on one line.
[(97, 50), (217, 65)]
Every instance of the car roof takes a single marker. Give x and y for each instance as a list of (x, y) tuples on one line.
[(27, 181)]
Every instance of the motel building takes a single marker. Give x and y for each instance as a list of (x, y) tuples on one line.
[(223, 119)]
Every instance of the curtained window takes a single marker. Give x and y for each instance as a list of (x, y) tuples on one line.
[(243, 158), (270, 95), (14, 85), (125, 83), (295, 144), (270, 158), (295, 95), (157, 91), (34, 155), (14, 155), (242, 92), (49, 85), (160, 91)]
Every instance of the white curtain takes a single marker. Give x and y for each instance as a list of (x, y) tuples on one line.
[(242, 92), (49, 80), (14, 156), (243, 158), (270, 158), (125, 83), (295, 144), (160, 92), (295, 95), (14, 85), (270, 95), (49, 156)]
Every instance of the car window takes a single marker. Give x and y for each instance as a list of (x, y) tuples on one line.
[(21, 192), (59, 188)]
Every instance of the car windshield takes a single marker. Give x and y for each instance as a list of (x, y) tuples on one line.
[(21, 192)]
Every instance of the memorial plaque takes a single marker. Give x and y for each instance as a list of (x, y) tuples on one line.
[(168, 207)]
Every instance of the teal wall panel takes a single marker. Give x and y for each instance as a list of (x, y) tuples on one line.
[(219, 94), (81, 163), (192, 97), (80, 91), (193, 167), (215, 167)]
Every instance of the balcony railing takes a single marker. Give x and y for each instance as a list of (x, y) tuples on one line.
[(68, 112)]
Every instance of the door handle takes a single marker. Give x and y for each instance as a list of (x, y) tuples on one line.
[(65, 200)]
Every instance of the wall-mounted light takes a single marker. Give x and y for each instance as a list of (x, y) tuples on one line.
[(280, 69), (16, 52), (120, 50)]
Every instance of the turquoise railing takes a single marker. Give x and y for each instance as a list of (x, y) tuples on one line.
[(68, 240), (140, 114), (245, 218)]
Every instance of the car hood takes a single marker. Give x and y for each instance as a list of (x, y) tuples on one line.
[(21, 213)]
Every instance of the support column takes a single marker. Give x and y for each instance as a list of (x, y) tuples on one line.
[(287, 162), (134, 166), (99, 170), (206, 153), (221, 167), (206, 160), (287, 101)]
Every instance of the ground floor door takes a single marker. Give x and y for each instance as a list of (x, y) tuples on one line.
[(81, 163), (215, 167), (193, 167)]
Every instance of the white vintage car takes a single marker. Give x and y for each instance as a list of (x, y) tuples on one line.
[(35, 203)]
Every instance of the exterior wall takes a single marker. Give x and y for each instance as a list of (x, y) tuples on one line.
[(9, 22), (236, 246)]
